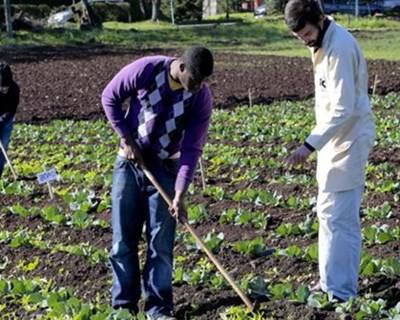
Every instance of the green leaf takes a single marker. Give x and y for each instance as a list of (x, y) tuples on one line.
[(53, 214), (4, 286), (281, 290), (293, 251), (301, 294), (311, 252), (31, 265)]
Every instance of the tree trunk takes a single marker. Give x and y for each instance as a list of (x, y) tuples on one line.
[(155, 9), (171, 3), (7, 14), (143, 9), (227, 10), (89, 14)]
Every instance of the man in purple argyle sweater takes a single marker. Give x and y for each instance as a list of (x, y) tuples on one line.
[(164, 127)]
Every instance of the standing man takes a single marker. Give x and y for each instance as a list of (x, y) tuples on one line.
[(165, 128), (343, 137), (9, 100)]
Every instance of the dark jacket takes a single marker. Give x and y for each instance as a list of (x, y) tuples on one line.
[(9, 101)]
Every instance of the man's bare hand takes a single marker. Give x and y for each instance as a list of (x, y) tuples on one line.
[(131, 150), (178, 208)]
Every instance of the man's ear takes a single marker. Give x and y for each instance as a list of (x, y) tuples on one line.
[(321, 21)]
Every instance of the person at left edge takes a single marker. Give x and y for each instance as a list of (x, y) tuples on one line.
[(9, 100)]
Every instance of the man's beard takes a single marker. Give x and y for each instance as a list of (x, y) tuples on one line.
[(317, 42)]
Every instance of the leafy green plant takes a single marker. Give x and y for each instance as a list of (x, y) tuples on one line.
[(15, 188), (308, 228), (257, 219), (197, 214), (28, 266), (379, 235), (300, 295), (291, 251), (255, 286), (380, 212), (298, 203), (280, 291), (258, 197), (21, 211), (53, 214), (214, 241), (394, 313), (218, 282), (200, 274), (372, 309), (241, 313), (216, 193), (311, 253), (319, 300), (254, 247)]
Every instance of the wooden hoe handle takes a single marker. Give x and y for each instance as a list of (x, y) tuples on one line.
[(226, 275)]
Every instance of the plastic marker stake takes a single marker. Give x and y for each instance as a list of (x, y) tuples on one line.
[(46, 177)]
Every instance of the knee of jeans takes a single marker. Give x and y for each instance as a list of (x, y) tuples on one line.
[(342, 225), (120, 248)]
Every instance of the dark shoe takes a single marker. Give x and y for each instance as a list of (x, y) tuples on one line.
[(160, 317)]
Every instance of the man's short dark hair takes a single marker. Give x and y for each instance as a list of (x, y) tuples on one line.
[(300, 12), (199, 60), (5, 75)]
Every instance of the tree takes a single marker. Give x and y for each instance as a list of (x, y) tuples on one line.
[(89, 19), (172, 11), (228, 6), (155, 9), (184, 10), (7, 14), (143, 8)]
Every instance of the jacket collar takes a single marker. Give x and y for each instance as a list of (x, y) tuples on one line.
[(327, 37)]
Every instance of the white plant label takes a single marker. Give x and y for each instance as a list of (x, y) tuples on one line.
[(47, 176)]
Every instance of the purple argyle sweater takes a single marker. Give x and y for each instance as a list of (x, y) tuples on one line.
[(162, 121)]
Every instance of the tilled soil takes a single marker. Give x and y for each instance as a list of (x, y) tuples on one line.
[(67, 82), (198, 302)]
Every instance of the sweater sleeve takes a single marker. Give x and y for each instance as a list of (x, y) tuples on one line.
[(125, 84), (341, 86), (194, 138)]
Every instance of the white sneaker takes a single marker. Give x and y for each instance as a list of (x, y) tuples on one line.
[(316, 288)]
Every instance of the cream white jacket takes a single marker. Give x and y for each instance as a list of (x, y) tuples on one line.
[(345, 129)]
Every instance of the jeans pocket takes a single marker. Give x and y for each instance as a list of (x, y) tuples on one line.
[(120, 163)]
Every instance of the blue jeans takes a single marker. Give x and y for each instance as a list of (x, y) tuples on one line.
[(135, 201), (5, 135)]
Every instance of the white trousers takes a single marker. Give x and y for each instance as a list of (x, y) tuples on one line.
[(339, 241)]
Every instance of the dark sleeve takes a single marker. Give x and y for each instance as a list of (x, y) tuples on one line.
[(309, 146), (12, 102)]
